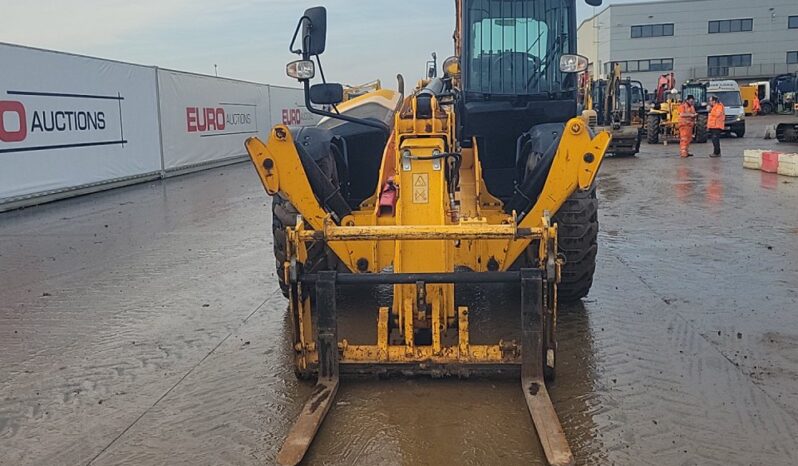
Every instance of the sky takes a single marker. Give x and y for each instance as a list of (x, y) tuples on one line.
[(246, 39)]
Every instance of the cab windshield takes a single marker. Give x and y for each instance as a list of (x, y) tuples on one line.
[(698, 92), (514, 46), (728, 98)]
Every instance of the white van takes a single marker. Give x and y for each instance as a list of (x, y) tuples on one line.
[(728, 92)]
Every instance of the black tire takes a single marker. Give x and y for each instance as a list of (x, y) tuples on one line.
[(701, 132), (788, 134), (284, 215), (577, 224), (652, 129), (740, 132), (766, 108), (281, 213)]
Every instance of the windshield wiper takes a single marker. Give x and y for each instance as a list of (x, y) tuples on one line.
[(550, 54)]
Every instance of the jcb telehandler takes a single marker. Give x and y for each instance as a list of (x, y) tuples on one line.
[(662, 119), (483, 175)]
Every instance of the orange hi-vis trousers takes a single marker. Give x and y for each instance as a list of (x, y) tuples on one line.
[(685, 138)]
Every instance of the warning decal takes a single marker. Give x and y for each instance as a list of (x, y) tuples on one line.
[(420, 188)]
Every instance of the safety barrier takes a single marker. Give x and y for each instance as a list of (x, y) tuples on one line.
[(771, 162)]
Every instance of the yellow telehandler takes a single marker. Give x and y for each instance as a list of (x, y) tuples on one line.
[(482, 175), (662, 118)]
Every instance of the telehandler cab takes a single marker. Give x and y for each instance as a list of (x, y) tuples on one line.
[(482, 175)]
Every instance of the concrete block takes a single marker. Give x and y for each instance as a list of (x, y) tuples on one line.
[(770, 162), (752, 159), (788, 165)]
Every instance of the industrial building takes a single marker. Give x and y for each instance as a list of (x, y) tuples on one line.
[(695, 39)]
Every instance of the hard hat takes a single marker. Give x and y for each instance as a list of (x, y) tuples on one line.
[(674, 91)]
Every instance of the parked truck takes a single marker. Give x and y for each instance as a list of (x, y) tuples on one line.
[(777, 95)]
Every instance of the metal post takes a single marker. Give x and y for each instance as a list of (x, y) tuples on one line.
[(327, 325), (532, 323), (160, 121)]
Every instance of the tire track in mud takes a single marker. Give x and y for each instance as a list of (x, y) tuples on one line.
[(271, 296), (79, 387), (89, 345), (718, 242), (666, 394), (234, 408)]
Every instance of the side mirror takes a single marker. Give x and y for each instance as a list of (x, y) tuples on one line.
[(314, 31), (326, 94), (745, 103), (573, 63), (593, 2)]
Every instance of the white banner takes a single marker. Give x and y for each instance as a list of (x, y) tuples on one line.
[(205, 119), (288, 107), (68, 121)]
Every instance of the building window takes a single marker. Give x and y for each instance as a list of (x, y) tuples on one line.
[(719, 65), (633, 66), (792, 22), (652, 30), (731, 25), (792, 58)]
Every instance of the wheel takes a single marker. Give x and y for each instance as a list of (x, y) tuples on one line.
[(284, 215), (765, 108), (577, 237), (740, 131), (701, 133), (652, 129), (788, 134), (281, 213)]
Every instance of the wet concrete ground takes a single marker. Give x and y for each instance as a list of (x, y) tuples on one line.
[(144, 326)]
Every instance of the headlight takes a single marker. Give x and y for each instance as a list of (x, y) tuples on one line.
[(301, 69), (573, 63), (740, 117)]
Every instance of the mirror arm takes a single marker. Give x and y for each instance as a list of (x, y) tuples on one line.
[(296, 33), (321, 70), (309, 105)]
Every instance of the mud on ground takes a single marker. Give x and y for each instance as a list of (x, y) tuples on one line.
[(144, 326)]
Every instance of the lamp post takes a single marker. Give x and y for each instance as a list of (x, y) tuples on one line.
[(597, 25)]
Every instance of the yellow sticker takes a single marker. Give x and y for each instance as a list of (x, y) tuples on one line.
[(420, 188)]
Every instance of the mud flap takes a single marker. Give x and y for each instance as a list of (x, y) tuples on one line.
[(535, 324), (313, 413)]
